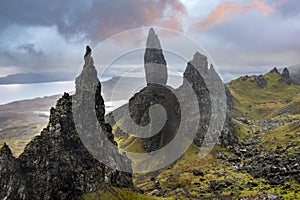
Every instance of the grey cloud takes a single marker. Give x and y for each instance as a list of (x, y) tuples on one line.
[(30, 49), (289, 8), (253, 40), (94, 19)]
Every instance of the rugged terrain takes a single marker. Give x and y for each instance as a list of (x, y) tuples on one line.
[(262, 164), (56, 164), (257, 155)]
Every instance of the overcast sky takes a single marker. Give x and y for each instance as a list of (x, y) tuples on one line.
[(245, 36)]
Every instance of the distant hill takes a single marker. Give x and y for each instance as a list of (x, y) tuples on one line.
[(265, 95), (21, 78)]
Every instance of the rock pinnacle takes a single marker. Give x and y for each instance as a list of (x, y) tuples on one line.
[(154, 60)]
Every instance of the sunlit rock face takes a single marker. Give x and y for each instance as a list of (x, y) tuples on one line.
[(154, 61)]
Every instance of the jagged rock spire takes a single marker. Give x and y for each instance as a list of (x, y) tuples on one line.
[(274, 70), (285, 73), (88, 85), (5, 149), (285, 77), (199, 61), (154, 60), (87, 51), (12, 183), (152, 40)]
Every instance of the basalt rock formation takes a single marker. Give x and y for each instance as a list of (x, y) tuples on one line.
[(139, 106), (285, 77), (155, 63), (12, 181), (274, 70), (140, 103), (192, 76), (261, 81), (156, 92), (56, 164)]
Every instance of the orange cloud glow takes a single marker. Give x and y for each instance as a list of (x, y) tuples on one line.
[(164, 13), (225, 10)]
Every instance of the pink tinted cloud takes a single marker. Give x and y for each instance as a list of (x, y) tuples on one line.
[(162, 13), (225, 10)]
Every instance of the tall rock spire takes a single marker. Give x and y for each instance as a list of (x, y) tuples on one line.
[(285, 77), (154, 60), (57, 164)]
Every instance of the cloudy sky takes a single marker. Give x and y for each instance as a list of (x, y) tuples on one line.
[(242, 36)]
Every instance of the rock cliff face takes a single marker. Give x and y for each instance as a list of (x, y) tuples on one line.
[(155, 63), (192, 76), (261, 81), (155, 94), (139, 106), (12, 182), (285, 77), (56, 164), (274, 70)]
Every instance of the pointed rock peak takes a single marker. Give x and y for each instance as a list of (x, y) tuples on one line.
[(285, 73), (154, 61), (274, 70), (152, 40), (199, 60), (88, 51), (212, 69), (285, 77), (199, 56), (88, 79), (88, 56), (5, 150)]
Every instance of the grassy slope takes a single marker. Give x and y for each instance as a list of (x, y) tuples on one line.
[(277, 101), (256, 102), (178, 180), (18, 136), (113, 193)]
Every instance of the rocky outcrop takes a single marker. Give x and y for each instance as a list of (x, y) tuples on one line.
[(56, 164), (274, 70), (140, 103), (261, 81), (192, 77), (156, 92), (154, 61), (196, 80), (139, 106), (12, 182), (285, 77)]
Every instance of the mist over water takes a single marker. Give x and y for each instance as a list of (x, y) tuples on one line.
[(16, 92)]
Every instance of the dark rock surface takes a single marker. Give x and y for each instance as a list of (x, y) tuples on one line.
[(154, 61), (12, 182), (274, 70), (139, 106), (261, 81), (285, 77), (56, 164), (153, 94), (88, 51), (278, 166), (194, 78)]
